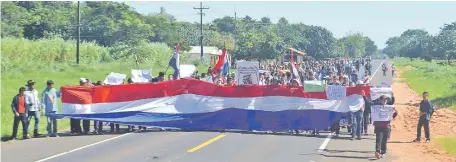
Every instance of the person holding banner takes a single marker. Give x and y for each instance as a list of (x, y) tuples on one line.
[(382, 125), (85, 123)]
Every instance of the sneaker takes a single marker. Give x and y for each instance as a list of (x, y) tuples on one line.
[(26, 137), (13, 139), (352, 138), (428, 140), (417, 140), (377, 155), (382, 156), (359, 138)]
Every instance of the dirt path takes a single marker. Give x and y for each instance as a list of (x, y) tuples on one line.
[(404, 126)]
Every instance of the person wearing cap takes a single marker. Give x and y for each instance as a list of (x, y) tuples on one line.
[(50, 106), (34, 108), (19, 107), (85, 123), (382, 131)]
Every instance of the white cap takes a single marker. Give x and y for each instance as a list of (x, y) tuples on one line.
[(83, 80)]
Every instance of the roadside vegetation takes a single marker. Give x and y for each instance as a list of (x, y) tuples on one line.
[(439, 80), (54, 59)]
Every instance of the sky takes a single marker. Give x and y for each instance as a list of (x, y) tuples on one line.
[(377, 20)]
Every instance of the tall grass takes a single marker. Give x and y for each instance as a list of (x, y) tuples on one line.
[(55, 53), (46, 59)]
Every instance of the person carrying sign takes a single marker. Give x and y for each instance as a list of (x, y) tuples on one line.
[(382, 131)]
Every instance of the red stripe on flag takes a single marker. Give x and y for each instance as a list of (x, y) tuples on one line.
[(131, 92)]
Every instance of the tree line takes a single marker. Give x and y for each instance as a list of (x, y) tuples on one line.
[(114, 24), (418, 43)]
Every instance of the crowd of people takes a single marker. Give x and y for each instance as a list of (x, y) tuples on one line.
[(27, 104)]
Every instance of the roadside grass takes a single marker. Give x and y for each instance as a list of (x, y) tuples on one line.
[(448, 143), (13, 80), (439, 81)]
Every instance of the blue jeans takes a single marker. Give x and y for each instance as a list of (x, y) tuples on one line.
[(51, 121), (356, 122), (36, 115)]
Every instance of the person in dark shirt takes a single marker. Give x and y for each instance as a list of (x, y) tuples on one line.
[(19, 107), (382, 129), (160, 78), (426, 111)]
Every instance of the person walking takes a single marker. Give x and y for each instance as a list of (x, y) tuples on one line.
[(19, 107), (85, 123), (49, 102), (382, 129), (426, 111), (34, 107), (98, 125)]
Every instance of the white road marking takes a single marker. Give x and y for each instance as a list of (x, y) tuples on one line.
[(83, 147), (328, 138)]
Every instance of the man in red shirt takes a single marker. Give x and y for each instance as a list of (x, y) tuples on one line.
[(19, 109)]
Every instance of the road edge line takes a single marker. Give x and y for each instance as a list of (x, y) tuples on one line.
[(83, 147)]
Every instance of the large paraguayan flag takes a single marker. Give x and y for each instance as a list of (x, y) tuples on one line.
[(198, 105), (174, 62)]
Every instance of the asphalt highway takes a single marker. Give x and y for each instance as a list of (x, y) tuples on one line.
[(178, 146)]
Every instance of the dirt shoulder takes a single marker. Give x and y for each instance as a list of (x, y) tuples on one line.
[(404, 127)]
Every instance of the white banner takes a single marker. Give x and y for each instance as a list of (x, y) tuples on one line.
[(141, 75), (336, 92), (247, 73), (382, 112), (187, 71), (377, 92), (114, 78)]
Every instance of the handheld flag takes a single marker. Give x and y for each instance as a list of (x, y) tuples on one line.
[(293, 69), (226, 66), (220, 62), (174, 62)]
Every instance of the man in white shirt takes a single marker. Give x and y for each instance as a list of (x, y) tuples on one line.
[(33, 106)]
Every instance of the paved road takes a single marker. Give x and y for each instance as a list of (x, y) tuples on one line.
[(178, 146)]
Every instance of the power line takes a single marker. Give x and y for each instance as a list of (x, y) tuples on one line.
[(201, 8)]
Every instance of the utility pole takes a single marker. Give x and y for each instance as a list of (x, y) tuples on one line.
[(79, 34), (201, 8), (235, 29)]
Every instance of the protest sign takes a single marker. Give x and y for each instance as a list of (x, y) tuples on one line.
[(141, 75), (377, 92), (115, 78), (314, 86), (187, 71), (336, 92), (247, 73), (382, 112)]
